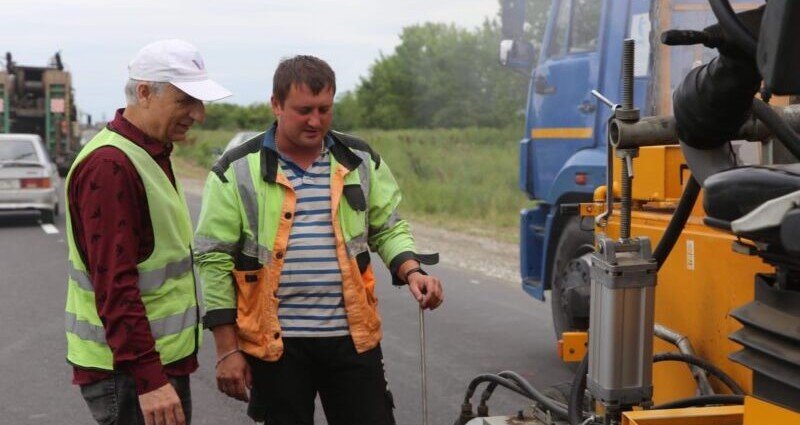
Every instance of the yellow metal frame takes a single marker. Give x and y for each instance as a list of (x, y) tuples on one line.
[(722, 415), (760, 412)]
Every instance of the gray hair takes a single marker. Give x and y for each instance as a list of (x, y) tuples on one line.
[(130, 89)]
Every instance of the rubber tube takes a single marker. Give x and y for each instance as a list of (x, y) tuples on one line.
[(703, 400), (575, 404), (733, 27), (677, 222), (704, 364), (490, 377)]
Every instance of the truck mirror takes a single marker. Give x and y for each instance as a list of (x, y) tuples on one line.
[(516, 54)]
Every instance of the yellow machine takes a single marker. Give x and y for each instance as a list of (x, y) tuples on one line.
[(695, 276)]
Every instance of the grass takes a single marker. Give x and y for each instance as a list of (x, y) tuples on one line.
[(460, 179)]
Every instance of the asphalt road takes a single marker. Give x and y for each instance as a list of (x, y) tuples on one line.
[(485, 325)]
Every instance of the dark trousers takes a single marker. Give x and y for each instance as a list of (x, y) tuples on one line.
[(113, 401), (352, 386)]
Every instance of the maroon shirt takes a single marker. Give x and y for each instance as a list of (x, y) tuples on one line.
[(112, 229)]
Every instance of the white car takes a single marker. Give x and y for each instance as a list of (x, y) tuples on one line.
[(28, 177)]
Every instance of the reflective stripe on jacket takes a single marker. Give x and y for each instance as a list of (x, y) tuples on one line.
[(166, 280), (243, 232)]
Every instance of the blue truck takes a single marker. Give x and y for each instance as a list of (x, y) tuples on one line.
[(562, 154)]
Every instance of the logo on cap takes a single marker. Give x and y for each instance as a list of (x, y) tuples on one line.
[(198, 63)]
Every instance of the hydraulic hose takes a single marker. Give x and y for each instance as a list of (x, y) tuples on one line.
[(703, 400), (552, 405), (733, 27), (575, 404), (786, 134), (701, 363), (677, 222), (493, 379), (519, 385)]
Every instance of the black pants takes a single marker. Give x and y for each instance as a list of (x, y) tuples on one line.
[(113, 401), (352, 386)]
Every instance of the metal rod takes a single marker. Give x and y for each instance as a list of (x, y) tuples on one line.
[(627, 73), (604, 99), (422, 366), (627, 195), (662, 131), (685, 347)]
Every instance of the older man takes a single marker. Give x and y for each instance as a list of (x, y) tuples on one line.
[(132, 313)]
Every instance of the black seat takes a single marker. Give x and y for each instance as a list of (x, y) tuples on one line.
[(733, 193)]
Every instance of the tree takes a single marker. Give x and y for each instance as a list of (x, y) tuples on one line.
[(441, 75)]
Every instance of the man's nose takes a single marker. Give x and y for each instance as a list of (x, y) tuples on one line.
[(314, 119), (198, 112)]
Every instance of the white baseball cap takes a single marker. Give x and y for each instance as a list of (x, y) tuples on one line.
[(179, 63)]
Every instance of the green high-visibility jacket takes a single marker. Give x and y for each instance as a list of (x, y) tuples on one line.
[(166, 279), (244, 227)]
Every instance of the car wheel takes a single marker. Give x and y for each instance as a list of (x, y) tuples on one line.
[(56, 210), (48, 216), (570, 279)]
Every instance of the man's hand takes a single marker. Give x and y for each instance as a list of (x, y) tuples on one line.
[(234, 377), (162, 406), (427, 290)]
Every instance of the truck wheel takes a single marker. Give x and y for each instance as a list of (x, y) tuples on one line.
[(570, 279), (48, 216)]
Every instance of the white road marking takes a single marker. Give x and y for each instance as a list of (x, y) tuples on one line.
[(50, 229)]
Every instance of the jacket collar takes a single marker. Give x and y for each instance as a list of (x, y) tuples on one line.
[(269, 156)]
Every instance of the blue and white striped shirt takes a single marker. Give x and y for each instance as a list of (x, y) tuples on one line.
[(310, 290)]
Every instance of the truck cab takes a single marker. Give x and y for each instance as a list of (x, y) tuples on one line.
[(562, 153)]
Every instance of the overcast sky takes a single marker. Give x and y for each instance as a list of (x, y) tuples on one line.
[(240, 40)]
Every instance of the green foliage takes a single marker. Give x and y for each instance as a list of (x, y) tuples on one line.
[(203, 146), (228, 116), (441, 76), (460, 178)]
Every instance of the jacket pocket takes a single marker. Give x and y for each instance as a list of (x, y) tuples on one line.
[(251, 298)]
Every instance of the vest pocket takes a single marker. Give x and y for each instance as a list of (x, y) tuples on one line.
[(251, 304)]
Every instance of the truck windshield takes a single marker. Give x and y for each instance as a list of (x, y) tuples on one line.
[(17, 150)]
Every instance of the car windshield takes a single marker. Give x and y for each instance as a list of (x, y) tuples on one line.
[(18, 151)]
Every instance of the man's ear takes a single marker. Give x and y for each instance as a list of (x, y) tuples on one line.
[(144, 94), (276, 106)]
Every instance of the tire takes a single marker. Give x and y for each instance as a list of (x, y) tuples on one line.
[(56, 210), (569, 279), (48, 216)]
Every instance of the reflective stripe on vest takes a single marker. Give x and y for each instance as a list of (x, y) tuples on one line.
[(169, 325), (359, 244), (149, 280), (247, 193)]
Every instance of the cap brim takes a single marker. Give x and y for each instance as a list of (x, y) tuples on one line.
[(205, 90)]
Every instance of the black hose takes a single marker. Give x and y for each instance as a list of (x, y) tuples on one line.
[(552, 405), (778, 125), (703, 364), (703, 400), (733, 27), (575, 404), (677, 222), (519, 385), (494, 379)]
